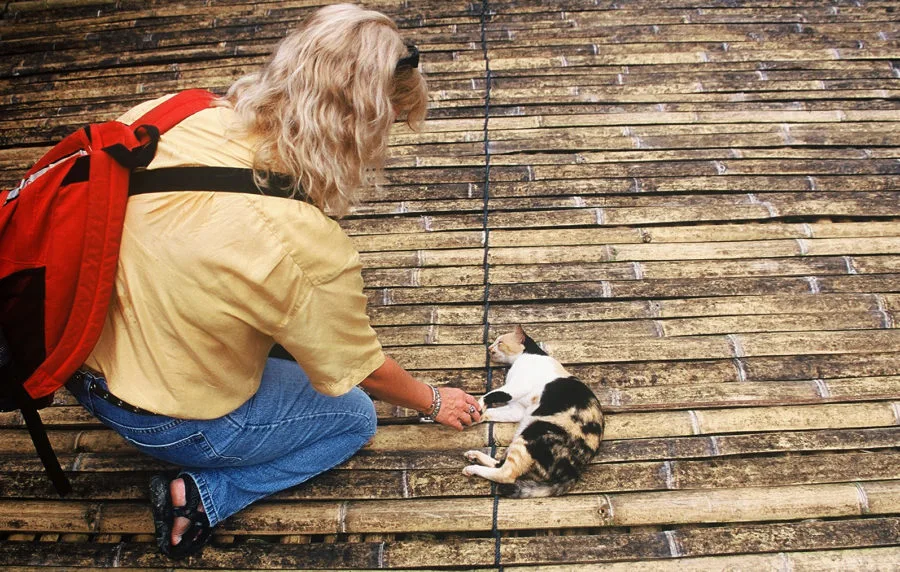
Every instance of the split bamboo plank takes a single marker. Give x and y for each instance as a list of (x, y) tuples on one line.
[(617, 547), (99, 455), (635, 425), (851, 559), (471, 514)]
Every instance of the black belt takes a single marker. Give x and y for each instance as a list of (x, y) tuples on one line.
[(108, 397)]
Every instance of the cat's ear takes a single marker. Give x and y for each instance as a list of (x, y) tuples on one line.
[(520, 334)]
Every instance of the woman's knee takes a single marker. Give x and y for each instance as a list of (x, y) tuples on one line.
[(367, 422)]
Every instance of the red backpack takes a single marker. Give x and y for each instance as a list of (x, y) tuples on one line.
[(60, 230)]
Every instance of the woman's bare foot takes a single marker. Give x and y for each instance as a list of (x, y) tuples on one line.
[(179, 498)]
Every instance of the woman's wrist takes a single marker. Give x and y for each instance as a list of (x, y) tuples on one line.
[(432, 411)]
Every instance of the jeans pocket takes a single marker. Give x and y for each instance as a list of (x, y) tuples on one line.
[(194, 450)]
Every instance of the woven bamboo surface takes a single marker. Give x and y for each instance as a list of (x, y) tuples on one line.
[(694, 205)]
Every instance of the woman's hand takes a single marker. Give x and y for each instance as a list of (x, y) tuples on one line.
[(458, 408), (391, 383)]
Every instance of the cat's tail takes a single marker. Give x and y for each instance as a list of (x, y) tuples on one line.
[(526, 489)]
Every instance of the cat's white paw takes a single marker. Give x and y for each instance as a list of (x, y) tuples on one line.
[(470, 470), (471, 456)]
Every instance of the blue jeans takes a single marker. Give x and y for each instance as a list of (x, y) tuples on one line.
[(284, 435)]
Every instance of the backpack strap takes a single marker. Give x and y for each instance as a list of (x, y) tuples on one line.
[(28, 407), (149, 127), (220, 179), (180, 106)]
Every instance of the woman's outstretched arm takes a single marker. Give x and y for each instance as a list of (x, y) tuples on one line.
[(393, 384)]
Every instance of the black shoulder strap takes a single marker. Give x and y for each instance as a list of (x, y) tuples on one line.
[(223, 179), (28, 407)]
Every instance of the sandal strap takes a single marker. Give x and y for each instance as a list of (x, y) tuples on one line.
[(192, 503), (198, 532)]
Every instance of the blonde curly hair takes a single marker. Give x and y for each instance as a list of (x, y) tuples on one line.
[(323, 106)]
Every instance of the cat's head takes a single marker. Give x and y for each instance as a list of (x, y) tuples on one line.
[(508, 347)]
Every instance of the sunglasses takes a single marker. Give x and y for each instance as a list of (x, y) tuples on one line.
[(409, 61)]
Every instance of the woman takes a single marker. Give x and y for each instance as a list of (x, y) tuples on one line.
[(208, 282)]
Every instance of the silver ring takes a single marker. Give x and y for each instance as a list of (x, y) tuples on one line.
[(471, 409)]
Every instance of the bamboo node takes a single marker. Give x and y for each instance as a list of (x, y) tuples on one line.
[(863, 498), (607, 288), (887, 320), (609, 253), (404, 480), (669, 474), (804, 248), (851, 268), (822, 388), (675, 550), (741, 368), (615, 397), (117, 555), (638, 270), (737, 349), (695, 422), (895, 407), (786, 134), (813, 284), (609, 511), (342, 516)]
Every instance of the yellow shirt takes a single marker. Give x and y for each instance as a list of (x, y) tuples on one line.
[(208, 282)]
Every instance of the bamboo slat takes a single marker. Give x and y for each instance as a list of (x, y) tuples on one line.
[(622, 509)]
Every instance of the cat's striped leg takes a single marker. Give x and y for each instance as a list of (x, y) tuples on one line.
[(517, 462), (476, 456)]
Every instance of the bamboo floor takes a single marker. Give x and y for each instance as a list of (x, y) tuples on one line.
[(694, 205)]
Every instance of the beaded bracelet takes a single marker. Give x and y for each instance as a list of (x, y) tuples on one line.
[(435, 404)]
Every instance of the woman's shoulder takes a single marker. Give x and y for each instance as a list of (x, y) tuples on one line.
[(316, 242), (140, 109)]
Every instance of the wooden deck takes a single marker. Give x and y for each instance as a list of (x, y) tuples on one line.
[(694, 205)]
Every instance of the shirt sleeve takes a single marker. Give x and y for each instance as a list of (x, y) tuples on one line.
[(328, 330)]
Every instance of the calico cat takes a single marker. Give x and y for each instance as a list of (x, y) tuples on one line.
[(560, 422)]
